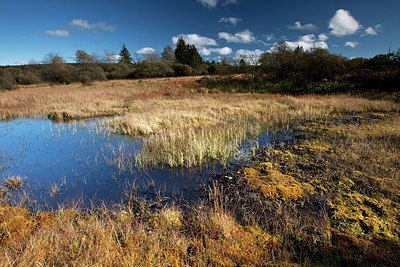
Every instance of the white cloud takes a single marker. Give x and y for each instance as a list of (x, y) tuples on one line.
[(307, 42), (209, 3), (306, 27), (224, 51), (323, 37), (57, 33), (232, 20), (84, 24), (244, 37), (146, 51), (269, 37), (105, 27), (195, 39), (249, 56), (373, 30), (342, 24), (22, 62), (351, 44), (214, 3)]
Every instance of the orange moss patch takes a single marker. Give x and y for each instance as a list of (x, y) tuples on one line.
[(15, 224), (274, 184)]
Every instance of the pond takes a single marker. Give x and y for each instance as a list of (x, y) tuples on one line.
[(80, 160)]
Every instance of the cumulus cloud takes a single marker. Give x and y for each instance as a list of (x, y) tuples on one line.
[(373, 30), (84, 24), (323, 37), (57, 33), (351, 44), (214, 3), (224, 51), (251, 57), (146, 51), (232, 20), (195, 39), (306, 27), (244, 37), (307, 42), (342, 24)]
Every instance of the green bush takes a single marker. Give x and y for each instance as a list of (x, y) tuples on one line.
[(60, 74), (153, 69), (90, 73), (119, 71), (7, 80), (27, 77), (182, 70)]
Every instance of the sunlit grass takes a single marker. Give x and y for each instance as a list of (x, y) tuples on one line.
[(332, 195), (181, 126), (13, 182)]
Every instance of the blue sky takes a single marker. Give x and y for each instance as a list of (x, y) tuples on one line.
[(219, 28)]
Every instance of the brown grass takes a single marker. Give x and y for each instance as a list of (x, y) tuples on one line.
[(184, 127), (121, 238), (329, 198)]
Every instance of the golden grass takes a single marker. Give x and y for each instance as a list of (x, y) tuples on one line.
[(116, 238), (13, 182), (182, 126), (336, 192)]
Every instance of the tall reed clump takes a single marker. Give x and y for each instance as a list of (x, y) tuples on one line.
[(188, 146)]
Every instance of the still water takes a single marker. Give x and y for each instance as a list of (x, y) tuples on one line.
[(84, 161)]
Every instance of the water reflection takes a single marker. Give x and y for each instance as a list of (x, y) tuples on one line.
[(63, 162)]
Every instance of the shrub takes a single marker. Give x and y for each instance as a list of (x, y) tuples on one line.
[(26, 77), (182, 70), (7, 80), (90, 73), (60, 74), (119, 71), (155, 69)]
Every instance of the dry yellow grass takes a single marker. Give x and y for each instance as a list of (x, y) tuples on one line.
[(116, 238), (184, 127)]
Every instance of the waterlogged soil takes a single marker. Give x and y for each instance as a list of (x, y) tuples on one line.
[(60, 163)]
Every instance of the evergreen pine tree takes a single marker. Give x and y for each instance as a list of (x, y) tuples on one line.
[(194, 58), (125, 56), (181, 52)]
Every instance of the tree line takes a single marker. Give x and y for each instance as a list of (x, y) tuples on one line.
[(281, 70)]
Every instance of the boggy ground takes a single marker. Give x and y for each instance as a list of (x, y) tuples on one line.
[(330, 197)]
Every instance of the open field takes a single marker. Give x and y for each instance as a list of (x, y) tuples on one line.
[(328, 197)]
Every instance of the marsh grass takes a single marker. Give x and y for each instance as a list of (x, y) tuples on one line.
[(13, 182), (169, 111), (348, 218)]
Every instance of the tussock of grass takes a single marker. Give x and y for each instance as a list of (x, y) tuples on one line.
[(13, 182), (121, 238)]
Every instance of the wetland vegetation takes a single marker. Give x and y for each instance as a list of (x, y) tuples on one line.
[(326, 195)]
